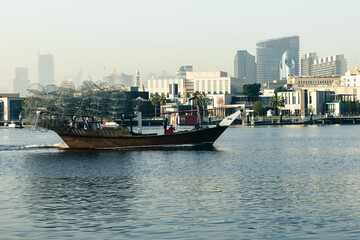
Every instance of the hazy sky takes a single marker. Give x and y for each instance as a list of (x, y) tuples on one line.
[(161, 35)]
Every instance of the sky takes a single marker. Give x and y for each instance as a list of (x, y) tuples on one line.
[(162, 35)]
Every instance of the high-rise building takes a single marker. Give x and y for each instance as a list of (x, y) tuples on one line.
[(115, 79), (21, 81), (306, 61), (329, 66), (269, 54), (245, 67), (46, 69), (287, 64)]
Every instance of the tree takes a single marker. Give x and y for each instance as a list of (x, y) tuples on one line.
[(277, 102), (155, 100), (281, 101), (357, 106), (162, 99), (274, 102), (258, 108), (281, 89), (252, 90), (202, 100)]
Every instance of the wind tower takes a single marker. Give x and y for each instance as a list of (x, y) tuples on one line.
[(137, 78)]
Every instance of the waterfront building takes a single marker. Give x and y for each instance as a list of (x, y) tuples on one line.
[(306, 62), (329, 66), (351, 78), (21, 81), (46, 69), (334, 106), (245, 67), (10, 106), (269, 54), (303, 102)]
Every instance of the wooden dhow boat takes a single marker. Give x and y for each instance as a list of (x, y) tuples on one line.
[(90, 135)]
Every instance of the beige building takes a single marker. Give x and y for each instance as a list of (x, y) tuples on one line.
[(207, 82), (301, 82), (351, 78), (163, 85)]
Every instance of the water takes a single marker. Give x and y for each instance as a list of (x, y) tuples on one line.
[(287, 182)]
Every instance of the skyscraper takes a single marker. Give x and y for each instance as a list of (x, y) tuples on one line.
[(329, 66), (21, 81), (269, 54), (46, 69), (245, 67), (306, 61)]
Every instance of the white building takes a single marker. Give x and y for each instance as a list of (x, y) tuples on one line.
[(351, 78), (329, 66), (163, 86), (10, 106), (207, 82)]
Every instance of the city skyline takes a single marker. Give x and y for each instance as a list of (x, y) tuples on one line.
[(161, 36)]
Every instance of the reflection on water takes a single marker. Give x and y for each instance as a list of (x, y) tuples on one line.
[(256, 183), (80, 204)]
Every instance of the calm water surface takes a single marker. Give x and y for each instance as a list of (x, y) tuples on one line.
[(263, 182)]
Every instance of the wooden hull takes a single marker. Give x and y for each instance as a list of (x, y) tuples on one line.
[(100, 139)]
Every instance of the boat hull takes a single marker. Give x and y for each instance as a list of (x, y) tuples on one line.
[(90, 139)]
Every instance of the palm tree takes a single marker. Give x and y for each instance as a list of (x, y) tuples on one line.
[(155, 100), (202, 100), (274, 102), (277, 102), (162, 100)]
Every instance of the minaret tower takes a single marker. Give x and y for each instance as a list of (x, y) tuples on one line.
[(137, 78)]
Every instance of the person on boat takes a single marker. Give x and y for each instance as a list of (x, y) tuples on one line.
[(170, 130), (165, 125)]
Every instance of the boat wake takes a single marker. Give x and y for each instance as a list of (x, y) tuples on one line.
[(57, 145), (31, 147)]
